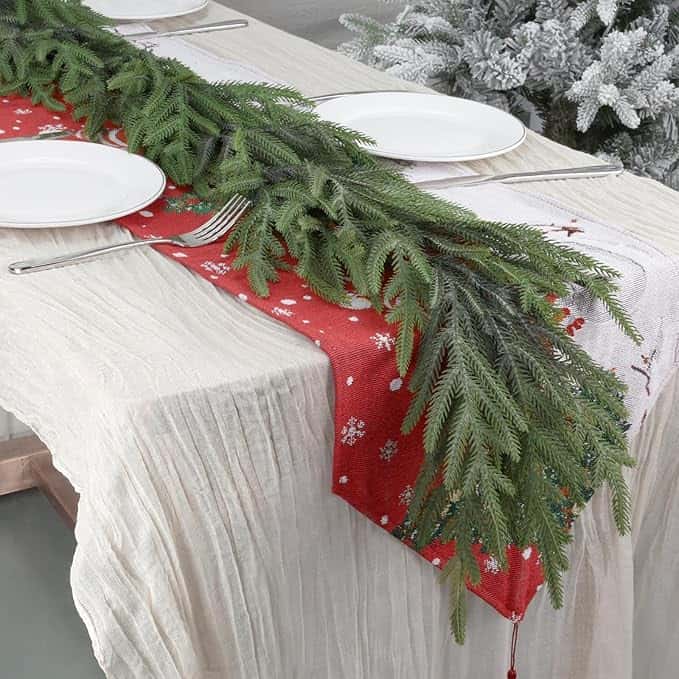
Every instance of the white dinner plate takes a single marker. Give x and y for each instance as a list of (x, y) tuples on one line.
[(71, 183), (145, 10), (426, 127)]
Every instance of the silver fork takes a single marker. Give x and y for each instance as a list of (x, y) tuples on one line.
[(206, 233)]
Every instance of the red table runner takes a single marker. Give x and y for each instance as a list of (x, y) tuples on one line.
[(375, 465)]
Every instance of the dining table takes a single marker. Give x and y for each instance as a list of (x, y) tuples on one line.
[(198, 433)]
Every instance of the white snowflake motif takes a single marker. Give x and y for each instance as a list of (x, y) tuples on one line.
[(280, 311), (23, 111), (352, 431), (406, 496), (49, 129), (383, 340), (388, 450), (217, 268), (492, 565)]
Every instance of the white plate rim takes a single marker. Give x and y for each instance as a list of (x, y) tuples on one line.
[(456, 158), (162, 15), (53, 224)]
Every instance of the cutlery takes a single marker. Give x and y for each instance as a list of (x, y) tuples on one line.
[(190, 30), (206, 233), (520, 177), (336, 95), (57, 134)]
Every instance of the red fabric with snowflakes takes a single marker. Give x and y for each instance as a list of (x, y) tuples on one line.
[(375, 466)]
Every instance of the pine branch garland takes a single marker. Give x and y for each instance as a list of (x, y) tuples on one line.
[(514, 410)]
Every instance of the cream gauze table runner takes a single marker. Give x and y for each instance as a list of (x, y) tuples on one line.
[(199, 433)]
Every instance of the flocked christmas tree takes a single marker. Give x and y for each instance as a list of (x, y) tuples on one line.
[(598, 75)]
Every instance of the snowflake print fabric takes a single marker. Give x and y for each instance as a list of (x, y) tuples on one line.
[(352, 431)]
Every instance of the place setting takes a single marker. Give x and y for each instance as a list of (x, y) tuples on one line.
[(132, 12), (94, 182), (429, 128), (88, 182)]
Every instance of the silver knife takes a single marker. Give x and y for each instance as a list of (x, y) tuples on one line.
[(58, 134), (519, 177), (336, 95), (190, 30)]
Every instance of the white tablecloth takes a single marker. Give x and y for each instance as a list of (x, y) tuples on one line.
[(199, 433)]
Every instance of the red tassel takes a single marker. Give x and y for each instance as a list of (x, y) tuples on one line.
[(511, 674)]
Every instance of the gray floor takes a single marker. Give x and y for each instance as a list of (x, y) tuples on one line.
[(315, 20), (41, 635)]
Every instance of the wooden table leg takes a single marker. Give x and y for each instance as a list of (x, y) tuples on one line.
[(56, 487), (16, 470), (26, 463)]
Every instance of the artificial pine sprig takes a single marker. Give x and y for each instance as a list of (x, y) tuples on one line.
[(514, 410)]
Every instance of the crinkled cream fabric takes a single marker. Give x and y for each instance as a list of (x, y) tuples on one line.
[(199, 434)]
